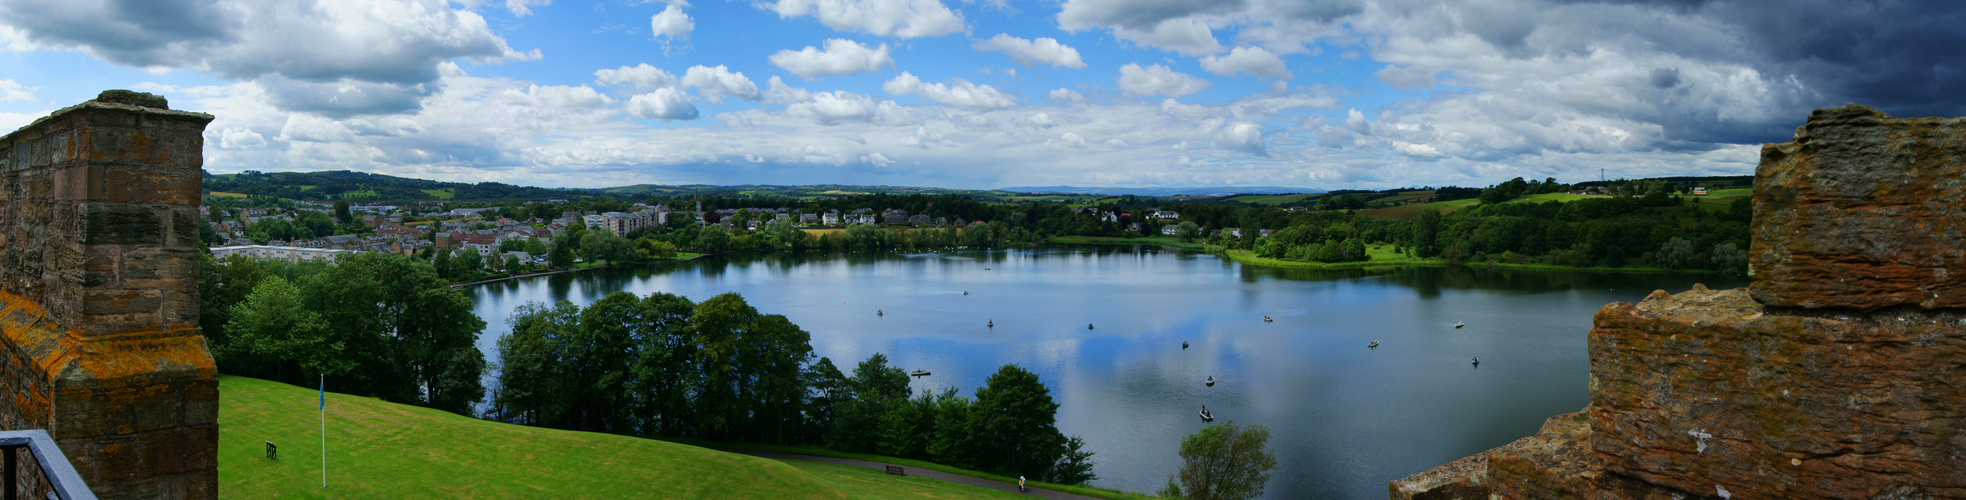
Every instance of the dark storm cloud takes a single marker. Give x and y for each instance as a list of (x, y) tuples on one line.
[(1904, 57), (1140, 14), (346, 98)]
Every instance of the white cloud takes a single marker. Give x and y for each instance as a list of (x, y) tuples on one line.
[(1407, 78), (1067, 140), (1064, 95), (1188, 37), (1026, 52), (957, 92), (556, 96), (839, 106), (1040, 120), (672, 23), (1158, 80), (898, 18), (876, 159), (523, 8), (13, 91), (1252, 60), (240, 138), (841, 57), (398, 44), (1245, 137), (640, 75), (666, 104), (1417, 150), (719, 82)]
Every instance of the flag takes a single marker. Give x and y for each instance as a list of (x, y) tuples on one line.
[(324, 393)]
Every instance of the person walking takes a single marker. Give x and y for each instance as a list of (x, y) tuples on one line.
[(1020, 484)]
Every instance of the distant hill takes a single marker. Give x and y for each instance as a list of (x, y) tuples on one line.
[(1164, 191), (362, 187)]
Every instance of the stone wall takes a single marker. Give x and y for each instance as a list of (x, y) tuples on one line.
[(99, 295), (1840, 372)]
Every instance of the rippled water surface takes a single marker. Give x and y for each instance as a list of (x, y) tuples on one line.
[(1344, 419)]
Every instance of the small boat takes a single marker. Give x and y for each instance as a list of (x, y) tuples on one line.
[(965, 292), (1373, 345), (1088, 326), (986, 269), (1266, 319), (1459, 324), (918, 373), (1207, 417), (1184, 345), (1477, 361), (877, 312), (1211, 381), (991, 324)]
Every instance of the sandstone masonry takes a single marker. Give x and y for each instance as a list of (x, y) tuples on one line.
[(1840, 372), (99, 296)]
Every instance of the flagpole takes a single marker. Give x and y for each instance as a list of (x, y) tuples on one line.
[(324, 430)]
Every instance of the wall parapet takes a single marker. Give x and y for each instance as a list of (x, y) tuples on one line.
[(99, 342)]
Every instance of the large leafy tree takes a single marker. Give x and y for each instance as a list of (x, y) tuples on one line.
[(752, 366), (274, 323), (1223, 462), (1014, 423)]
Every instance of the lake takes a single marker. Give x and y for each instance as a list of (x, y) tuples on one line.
[(1344, 419)]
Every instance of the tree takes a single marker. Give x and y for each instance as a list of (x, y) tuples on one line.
[(512, 263), (561, 255), (1187, 231), (1677, 253), (471, 260), (341, 212), (442, 262), (712, 239), (1223, 462), (1730, 260), (272, 322), (1014, 423), (1425, 232)]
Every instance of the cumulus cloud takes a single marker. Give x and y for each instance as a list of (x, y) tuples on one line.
[(666, 104), (14, 91), (347, 96), (841, 57), (897, 18), (240, 138), (672, 23), (719, 82), (1244, 137), (1407, 78), (397, 44), (1158, 80), (1026, 52), (1064, 95), (876, 159), (1252, 60), (640, 75), (957, 92), (523, 8), (839, 106)]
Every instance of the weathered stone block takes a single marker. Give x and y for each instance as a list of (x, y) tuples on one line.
[(1705, 391), (121, 223), (1862, 211)]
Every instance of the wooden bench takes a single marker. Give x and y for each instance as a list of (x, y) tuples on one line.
[(895, 470), (272, 451)]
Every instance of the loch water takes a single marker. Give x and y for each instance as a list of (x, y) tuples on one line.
[(1344, 418)]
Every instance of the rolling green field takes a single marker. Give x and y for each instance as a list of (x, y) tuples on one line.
[(1274, 199), (441, 194), (378, 449), (225, 195)]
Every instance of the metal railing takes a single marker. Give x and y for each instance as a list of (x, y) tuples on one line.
[(61, 475)]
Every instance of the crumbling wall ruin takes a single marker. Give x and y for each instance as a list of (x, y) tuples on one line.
[(1840, 372), (99, 342)]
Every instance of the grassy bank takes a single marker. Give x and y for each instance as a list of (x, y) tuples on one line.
[(1076, 490), (1381, 256), (385, 450)]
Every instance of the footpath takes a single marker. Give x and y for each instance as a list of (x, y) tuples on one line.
[(913, 471)]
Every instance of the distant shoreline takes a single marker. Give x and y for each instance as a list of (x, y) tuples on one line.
[(1244, 257), (564, 271)]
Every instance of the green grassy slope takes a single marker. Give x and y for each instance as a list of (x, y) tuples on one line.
[(385, 450)]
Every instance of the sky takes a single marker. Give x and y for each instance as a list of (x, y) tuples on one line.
[(1323, 94)]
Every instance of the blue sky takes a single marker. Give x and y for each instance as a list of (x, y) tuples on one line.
[(1326, 94)]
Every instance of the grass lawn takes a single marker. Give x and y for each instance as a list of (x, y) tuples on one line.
[(860, 482), (384, 450), (225, 195), (816, 233), (1717, 200), (1381, 256), (441, 194), (1090, 491)]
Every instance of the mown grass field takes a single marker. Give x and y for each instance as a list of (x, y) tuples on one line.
[(1274, 199), (225, 195), (441, 194), (385, 450), (1169, 241)]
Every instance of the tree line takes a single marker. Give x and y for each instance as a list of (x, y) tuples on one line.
[(662, 366)]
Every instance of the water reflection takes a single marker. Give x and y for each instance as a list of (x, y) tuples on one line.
[(1345, 419)]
